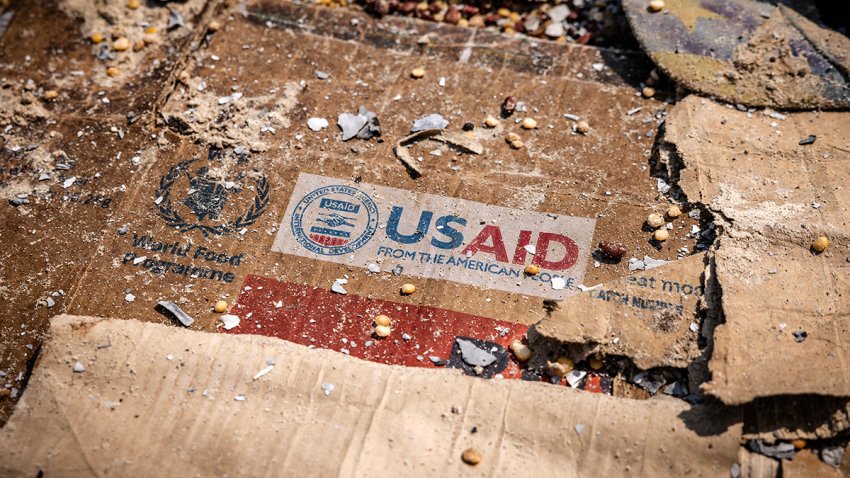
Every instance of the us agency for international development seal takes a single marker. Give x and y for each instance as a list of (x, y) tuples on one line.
[(193, 196), (334, 220)]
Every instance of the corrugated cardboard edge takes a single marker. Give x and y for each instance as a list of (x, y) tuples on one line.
[(133, 413)]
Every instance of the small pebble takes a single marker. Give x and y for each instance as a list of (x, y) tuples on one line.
[(555, 369), (408, 289), (799, 443), (382, 331), (511, 137), (674, 211), (656, 5), (468, 127), (582, 127), (529, 123), (214, 26), (132, 4), (648, 92), (532, 269), (820, 244), (121, 44), (471, 456), (220, 306), (50, 95), (517, 144), (808, 140), (596, 364), (96, 38), (508, 106), (661, 235), (112, 71), (612, 250), (382, 320), (567, 363), (491, 122), (654, 220), (521, 351), (417, 73)]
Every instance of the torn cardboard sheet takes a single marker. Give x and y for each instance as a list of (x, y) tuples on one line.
[(650, 317), (786, 308), (162, 398)]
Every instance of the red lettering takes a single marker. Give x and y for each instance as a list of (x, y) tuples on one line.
[(520, 252), (570, 252), (497, 248)]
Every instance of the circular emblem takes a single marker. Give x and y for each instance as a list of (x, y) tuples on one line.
[(205, 199), (334, 220)]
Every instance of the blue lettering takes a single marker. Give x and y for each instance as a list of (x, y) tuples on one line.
[(421, 229), (455, 235)]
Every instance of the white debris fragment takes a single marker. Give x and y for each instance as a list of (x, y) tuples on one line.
[(662, 186), (229, 321), (68, 182), (432, 121), (530, 248), (337, 286), (327, 388), (239, 398), (571, 117), (646, 264), (579, 428), (558, 13), (79, 367), (598, 66), (317, 124), (374, 268), (129, 297), (633, 110), (263, 372), (574, 378), (50, 302), (694, 327), (473, 355), (442, 81), (558, 283)]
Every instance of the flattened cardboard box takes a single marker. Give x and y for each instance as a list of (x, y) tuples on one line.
[(155, 400), (208, 222)]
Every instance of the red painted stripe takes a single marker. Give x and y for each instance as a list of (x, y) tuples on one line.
[(317, 317)]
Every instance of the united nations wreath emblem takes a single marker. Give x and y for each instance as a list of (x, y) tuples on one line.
[(207, 199)]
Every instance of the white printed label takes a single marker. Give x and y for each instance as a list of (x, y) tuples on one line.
[(438, 237)]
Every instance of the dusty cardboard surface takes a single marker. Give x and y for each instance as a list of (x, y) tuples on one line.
[(120, 166), (775, 197), (130, 413), (555, 173), (647, 316), (238, 115)]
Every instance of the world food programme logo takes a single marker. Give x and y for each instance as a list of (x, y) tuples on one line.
[(334, 220), (206, 198)]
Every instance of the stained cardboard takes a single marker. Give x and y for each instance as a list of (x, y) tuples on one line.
[(649, 316), (773, 197), (158, 400)]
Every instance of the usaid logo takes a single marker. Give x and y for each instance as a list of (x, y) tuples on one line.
[(334, 220)]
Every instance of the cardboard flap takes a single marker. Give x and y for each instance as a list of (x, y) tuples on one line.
[(156, 398), (786, 308), (649, 316)]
